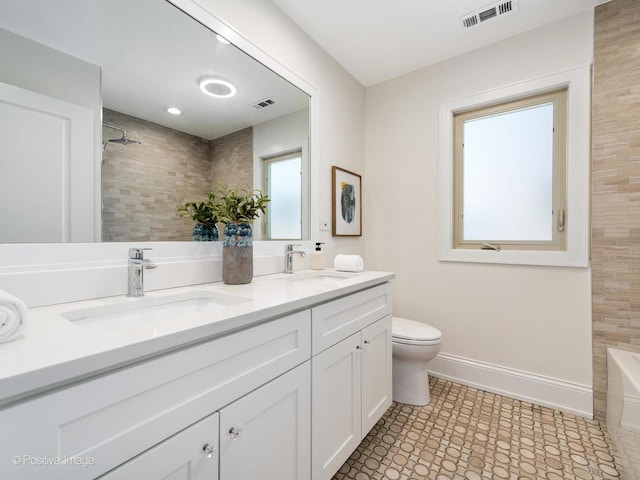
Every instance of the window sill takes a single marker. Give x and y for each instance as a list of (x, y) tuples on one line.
[(516, 257)]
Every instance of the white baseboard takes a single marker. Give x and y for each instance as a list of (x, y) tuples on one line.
[(537, 389)]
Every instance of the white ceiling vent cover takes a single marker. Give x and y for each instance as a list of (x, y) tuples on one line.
[(491, 11), (264, 103)]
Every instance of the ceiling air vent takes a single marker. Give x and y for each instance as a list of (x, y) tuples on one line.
[(264, 103), (491, 11), (470, 21), (505, 7)]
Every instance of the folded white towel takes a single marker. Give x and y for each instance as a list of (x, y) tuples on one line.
[(13, 317), (348, 263)]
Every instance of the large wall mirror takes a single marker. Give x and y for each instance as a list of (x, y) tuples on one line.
[(114, 112)]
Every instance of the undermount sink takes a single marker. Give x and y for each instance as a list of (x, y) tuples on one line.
[(149, 309), (318, 277)]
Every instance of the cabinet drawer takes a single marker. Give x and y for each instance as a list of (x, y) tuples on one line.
[(112, 418), (333, 321)]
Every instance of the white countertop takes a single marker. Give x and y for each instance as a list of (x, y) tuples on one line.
[(54, 351)]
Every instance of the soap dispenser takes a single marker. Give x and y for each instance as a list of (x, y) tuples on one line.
[(317, 257)]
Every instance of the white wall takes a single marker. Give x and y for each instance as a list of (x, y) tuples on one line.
[(510, 321), (280, 131), (23, 62)]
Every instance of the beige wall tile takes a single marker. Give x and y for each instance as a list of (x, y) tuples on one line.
[(615, 187)]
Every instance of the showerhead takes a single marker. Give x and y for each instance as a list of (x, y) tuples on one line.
[(124, 140)]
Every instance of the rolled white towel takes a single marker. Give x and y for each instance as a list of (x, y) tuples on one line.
[(13, 317), (348, 263)]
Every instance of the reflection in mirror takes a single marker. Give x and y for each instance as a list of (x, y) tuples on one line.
[(78, 78), (281, 175)]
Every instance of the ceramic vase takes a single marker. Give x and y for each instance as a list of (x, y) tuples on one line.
[(237, 253), (204, 233)]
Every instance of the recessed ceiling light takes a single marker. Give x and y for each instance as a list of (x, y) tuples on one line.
[(216, 87), (174, 111), (221, 39)]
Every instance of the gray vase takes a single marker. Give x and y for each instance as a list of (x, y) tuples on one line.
[(237, 253)]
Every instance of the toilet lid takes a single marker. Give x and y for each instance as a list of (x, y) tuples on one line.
[(403, 328)]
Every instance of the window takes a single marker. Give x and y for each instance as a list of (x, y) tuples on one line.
[(283, 184), (282, 172), (568, 248), (509, 168)]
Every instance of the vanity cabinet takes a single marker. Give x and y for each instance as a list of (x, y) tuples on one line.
[(109, 419), (288, 398), (351, 375)]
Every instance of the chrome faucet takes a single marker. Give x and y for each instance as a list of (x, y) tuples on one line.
[(289, 252), (137, 264)]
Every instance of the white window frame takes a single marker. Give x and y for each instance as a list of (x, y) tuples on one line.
[(259, 156), (577, 82)]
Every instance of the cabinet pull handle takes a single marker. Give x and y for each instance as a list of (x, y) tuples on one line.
[(234, 433), (208, 449)]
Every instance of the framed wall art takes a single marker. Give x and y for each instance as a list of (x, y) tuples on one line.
[(346, 189)]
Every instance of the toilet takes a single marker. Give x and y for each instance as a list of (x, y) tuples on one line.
[(414, 344)]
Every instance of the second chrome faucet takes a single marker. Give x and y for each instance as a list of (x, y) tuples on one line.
[(289, 252), (137, 264)]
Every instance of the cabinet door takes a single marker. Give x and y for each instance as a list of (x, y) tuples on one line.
[(266, 434), (336, 419), (191, 454), (376, 372)]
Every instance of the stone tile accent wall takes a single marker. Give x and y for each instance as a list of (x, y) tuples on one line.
[(143, 184), (615, 187), (232, 159)]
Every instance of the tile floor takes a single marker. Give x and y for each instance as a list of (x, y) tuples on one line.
[(465, 433)]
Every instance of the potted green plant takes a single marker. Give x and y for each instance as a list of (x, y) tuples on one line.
[(204, 214), (237, 208), (239, 205)]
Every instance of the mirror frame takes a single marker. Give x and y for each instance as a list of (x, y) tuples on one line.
[(38, 258)]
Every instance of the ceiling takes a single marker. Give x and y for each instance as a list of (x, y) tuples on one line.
[(376, 40), (152, 56)]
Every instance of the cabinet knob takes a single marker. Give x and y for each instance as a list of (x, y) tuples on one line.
[(234, 433), (208, 449), (367, 342)]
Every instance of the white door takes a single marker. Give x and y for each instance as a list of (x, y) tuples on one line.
[(266, 434), (47, 169), (336, 421), (191, 454), (377, 388)]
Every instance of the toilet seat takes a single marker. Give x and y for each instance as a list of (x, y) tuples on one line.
[(410, 332)]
